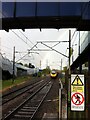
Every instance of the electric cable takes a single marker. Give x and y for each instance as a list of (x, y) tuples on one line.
[(20, 38)]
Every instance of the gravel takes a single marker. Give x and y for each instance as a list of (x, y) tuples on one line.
[(50, 104), (17, 101)]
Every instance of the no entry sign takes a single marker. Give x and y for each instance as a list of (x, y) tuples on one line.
[(77, 98), (77, 93)]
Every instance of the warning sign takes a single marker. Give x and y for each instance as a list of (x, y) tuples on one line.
[(77, 92), (77, 88), (77, 81), (77, 98)]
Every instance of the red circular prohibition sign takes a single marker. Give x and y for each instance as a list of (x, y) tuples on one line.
[(74, 95)]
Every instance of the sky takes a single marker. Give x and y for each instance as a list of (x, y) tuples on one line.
[(25, 40)]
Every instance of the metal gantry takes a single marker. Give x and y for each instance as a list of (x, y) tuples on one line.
[(43, 42)]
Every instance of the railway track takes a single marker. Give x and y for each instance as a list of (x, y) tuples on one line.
[(14, 94), (28, 109)]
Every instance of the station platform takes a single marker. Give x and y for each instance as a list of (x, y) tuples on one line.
[(50, 116)]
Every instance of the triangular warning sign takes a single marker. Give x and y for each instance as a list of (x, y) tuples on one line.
[(77, 81)]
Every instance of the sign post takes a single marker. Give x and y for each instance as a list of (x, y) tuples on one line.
[(77, 93)]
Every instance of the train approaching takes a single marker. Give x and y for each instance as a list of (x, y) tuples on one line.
[(53, 74)]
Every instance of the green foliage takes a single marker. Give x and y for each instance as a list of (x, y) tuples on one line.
[(20, 63), (64, 68), (71, 51), (69, 97), (86, 64), (26, 65), (31, 66), (63, 80), (9, 83), (39, 74), (47, 70)]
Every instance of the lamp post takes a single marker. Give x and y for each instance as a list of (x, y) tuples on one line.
[(13, 64)]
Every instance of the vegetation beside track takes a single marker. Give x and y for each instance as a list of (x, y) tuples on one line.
[(17, 81), (10, 83), (5, 84), (63, 80)]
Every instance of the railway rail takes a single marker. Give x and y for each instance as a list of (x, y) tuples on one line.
[(30, 106), (12, 95)]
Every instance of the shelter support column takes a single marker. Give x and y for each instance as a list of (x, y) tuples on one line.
[(88, 65), (88, 87), (80, 68)]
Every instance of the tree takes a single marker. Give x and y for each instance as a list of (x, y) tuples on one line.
[(64, 68), (20, 63), (26, 65), (31, 66), (47, 70)]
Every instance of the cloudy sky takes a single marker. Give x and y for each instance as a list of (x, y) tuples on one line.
[(24, 41)]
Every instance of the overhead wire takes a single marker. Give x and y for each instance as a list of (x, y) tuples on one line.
[(20, 38), (71, 38), (26, 37), (25, 42), (16, 33), (29, 40)]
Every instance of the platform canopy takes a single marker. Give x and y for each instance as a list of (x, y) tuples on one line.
[(27, 15)]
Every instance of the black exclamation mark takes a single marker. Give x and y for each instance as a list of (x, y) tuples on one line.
[(77, 80)]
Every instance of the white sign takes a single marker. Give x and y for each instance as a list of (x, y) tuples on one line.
[(77, 93)]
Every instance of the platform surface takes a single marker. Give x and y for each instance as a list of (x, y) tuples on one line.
[(50, 116)]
